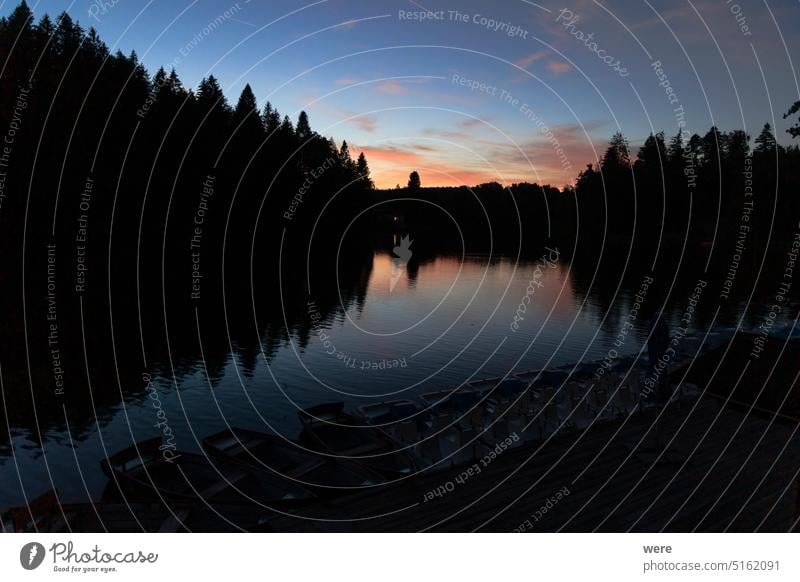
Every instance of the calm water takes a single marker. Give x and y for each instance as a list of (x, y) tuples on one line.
[(446, 321)]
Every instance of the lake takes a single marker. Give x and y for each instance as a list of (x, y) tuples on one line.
[(396, 329)]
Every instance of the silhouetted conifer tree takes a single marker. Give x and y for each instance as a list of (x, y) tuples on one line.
[(362, 168)]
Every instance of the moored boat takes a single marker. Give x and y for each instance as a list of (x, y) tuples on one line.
[(327, 428), (389, 411)]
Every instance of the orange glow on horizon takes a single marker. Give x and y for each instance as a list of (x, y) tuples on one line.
[(390, 166), (390, 169), (434, 175)]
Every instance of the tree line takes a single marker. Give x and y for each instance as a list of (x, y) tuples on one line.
[(149, 146), (685, 188), (694, 187)]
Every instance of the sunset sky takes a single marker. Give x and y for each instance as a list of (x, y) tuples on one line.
[(400, 89)]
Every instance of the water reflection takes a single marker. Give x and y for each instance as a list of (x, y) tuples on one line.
[(381, 324)]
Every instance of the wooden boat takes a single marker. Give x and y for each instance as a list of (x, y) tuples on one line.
[(452, 401), (145, 474), (507, 389), (324, 475), (330, 430)]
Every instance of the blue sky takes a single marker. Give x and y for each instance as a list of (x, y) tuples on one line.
[(544, 102)]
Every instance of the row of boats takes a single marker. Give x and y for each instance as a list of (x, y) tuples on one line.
[(243, 477)]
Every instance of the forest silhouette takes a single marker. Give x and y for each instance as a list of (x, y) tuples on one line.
[(128, 199)]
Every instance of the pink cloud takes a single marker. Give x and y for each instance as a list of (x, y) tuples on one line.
[(527, 61), (390, 155), (558, 67), (470, 123), (445, 134), (365, 123), (392, 87)]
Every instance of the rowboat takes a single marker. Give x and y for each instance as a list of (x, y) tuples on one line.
[(386, 412), (331, 431)]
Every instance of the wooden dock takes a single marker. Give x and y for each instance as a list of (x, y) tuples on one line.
[(728, 470)]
